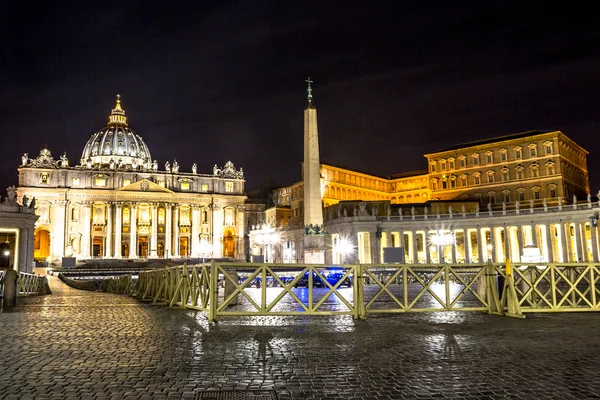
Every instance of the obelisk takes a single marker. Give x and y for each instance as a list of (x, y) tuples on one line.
[(314, 239)]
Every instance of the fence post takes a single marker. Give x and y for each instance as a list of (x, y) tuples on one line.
[(491, 289), (10, 288), (360, 291), (213, 296)]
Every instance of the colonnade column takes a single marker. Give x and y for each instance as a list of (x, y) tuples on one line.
[(153, 253), (496, 239), (594, 238), (520, 243), (425, 248), (86, 231), (175, 238), (168, 222), (118, 228), (549, 248), (468, 246), (133, 231), (480, 247), (453, 250), (241, 234), (534, 236), (580, 247), (108, 252), (563, 243), (374, 245)]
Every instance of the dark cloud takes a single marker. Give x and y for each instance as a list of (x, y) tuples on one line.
[(212, 82)]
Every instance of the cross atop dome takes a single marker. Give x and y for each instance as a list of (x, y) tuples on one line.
[(309, 91), (117, 114)]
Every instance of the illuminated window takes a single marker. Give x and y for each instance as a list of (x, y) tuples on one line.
[(452, 182), (462, 162), (443, 165), (549, 148), (550, 169), (451, 163), (185, 186), (535, 172), (520, 174), (434, 185), (536, 193), (477, 179), (489, 157), (521, 194), (126, 182), (100, 180), (204, 187), (229, 186), (475, 159), (463, 180), (75, 181), (444, 184), (98, 215), (505, 174), (44, 177), (126, 215), (492, 197), (490, 176), (532, 150), (161, 215), (503, 155), (506, 196), (161, 183)]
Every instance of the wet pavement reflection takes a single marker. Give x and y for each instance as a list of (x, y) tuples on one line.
[(77, 344)]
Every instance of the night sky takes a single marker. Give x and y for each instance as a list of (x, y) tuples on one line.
[(211, 83)]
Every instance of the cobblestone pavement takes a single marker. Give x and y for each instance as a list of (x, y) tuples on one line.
[(81, 345)]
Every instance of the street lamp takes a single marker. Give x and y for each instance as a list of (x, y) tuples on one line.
[(268, 238), (489, 249), (205, 249), (343, 247), (441, 240)]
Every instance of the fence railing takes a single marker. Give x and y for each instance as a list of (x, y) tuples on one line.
[(225, 289), (26, 284)]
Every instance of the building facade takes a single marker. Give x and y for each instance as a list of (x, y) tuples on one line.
[(118, 203), (480, 201)]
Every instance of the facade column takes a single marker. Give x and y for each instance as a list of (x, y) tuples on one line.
[(168, 230), (563, 242), (86, 233), (195, 232), (176, 232), (454, 247), (118, 228), (108, 252), (217, 227), (426, 248), (534, 236), (507, 254), (520, 243), (580, 248), (496, 239), (133, 231), (594, 238), (153, 251), (240, 215), (58, 223)]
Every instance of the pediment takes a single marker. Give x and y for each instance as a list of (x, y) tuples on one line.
[(144, 185)]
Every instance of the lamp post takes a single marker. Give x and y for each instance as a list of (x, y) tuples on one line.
[(441, 240), (267, 239), (205, 249), (489, 249)]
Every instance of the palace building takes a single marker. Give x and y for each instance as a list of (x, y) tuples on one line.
[(479, 201), (118, 203)]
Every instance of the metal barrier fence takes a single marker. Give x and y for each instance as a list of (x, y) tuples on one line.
[(237, 289), (27, 284)]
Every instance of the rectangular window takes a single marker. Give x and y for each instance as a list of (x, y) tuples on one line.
[(507, 197), (44, 178), (185, 186), (463, 181), (229, 187), (477, 180), (505, 176), (518, 154), (443, 165), (75, 181), (462, 162), (519, 174), (521, 196), (490, 178), (444, 185), (161, 183), (536, 195), (452, 183), (451, 163), (204, 187), (475, 160), (548, 149), (533, 151), (535, 173), (552, 192), (503, 156), (489, 159), (100, 182), (126, 182)]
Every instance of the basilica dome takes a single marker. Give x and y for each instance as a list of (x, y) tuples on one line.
[(116, 145)]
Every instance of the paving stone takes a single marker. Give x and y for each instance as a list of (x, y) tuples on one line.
[(76, 344)]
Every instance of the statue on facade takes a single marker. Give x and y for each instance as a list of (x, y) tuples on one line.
[(194, 168), (374, 211), (426, 211), (25, 201), (388, 210), (88, 163), (241, 173), (355, 211), (450, 209), (362, 208), (489, 206), (345, 212), (215, 170), (400, 211), (412, 211), (517, 205), (589, 198), (154, 165), (111, 163), (134, 164), (339, 212), (32, 203), (531, 203), (25, 159), (11, 192), (462, 209), (503, 206), (175, 166), (560, 201), (64, 161), (545, 203), (168, 166)]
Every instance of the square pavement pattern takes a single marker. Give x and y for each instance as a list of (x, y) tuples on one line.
[(82, 345)]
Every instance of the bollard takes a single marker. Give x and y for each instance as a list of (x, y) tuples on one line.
[(10, 288)]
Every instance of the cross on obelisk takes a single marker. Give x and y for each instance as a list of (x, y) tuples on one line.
[(309, 90)]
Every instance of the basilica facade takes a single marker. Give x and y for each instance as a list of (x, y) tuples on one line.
[(116, 202)]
